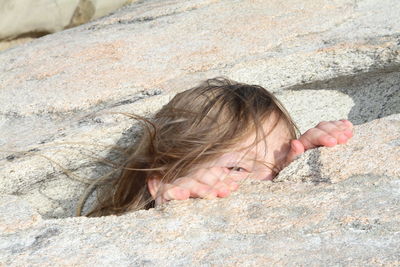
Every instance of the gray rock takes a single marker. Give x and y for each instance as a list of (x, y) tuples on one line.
[(59, 92), (21, 17), (18, 16), (60, 98), (375, 150), (346, 221), (16, 215)]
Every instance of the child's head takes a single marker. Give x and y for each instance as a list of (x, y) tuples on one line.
[(217, 122)]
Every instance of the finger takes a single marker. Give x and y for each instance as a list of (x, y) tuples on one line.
[(238, 176), (296, 149), (196, 188), (216, 178), (211, 176), (348, 124), (336, 129), (225, 187), (169, 192), (346, 130), (350, 128), (316, 137), (231, 184), (340, 125), (222, 189)]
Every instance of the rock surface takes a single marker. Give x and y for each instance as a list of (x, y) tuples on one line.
[(317, 216), (22, 17), (325, 60)]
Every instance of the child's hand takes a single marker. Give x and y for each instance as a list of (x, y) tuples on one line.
[(203, 183), (326, 133), (218, 181)]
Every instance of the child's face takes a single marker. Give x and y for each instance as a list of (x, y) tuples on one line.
[(217, 178), (261, 161)]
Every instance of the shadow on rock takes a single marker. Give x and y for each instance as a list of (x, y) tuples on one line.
[(376, 94)]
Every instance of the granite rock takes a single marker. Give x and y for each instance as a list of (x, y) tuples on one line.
[(60, 93), (35, 18), (346, 219), (64, 96), (375, 150)]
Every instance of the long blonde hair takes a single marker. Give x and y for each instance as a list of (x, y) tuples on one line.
[(196, 126)]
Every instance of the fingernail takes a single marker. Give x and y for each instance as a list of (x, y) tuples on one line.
[(223, 192)]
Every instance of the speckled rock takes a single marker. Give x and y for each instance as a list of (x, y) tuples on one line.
[(346, 219), (62, 102), (375, 151), (59, 94)]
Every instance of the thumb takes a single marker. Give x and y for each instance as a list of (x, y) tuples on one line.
[(296, 149)]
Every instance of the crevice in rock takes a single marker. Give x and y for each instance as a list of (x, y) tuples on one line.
[(150, 18), (139, 20), (315, 169), (33, 34)]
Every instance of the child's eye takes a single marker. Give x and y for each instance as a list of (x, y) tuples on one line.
[(237, 169)]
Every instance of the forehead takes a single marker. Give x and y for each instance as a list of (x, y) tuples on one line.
[(257, 153), (272, 134)]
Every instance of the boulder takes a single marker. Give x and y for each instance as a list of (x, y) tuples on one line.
[(64, 96), (61, 92), (35, 18), (312, 214)]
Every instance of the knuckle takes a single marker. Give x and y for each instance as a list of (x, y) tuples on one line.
[(334, 133), (339, 124), (311, 132)]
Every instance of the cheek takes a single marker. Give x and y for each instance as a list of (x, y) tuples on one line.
[(263, 174)]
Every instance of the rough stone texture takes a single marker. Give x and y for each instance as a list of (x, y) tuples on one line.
[(16, 215), (19, 17), (337, 220), (326, 60), (11, 43), (376, 150)]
